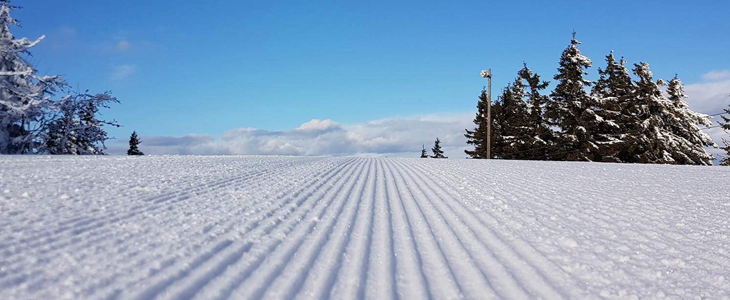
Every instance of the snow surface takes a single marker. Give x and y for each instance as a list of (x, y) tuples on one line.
[(180, 227)]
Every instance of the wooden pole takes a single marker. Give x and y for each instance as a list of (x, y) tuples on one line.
[(489, 114)]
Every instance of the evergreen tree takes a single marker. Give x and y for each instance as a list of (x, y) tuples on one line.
[(478, 136), (573, 110), (540, 135), (687, 140), (437, 152), (515, 131), (668, 130), (24, 96), (134, 145), (726, 126), (78, 131), (726, 160), (498, 126), (614, 93)]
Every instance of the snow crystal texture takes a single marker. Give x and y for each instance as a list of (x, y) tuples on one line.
[(192, 227)]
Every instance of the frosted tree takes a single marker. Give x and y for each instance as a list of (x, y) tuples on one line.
[(540, 137), (668, 131), (25, 97), (79, 131), (134, 145), (570, 107), (614, 94), (726, 126), (687, 140), (478, 136), (437, 152), (515, 130)]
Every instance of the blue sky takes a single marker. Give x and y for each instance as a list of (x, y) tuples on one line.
[(182, 67)]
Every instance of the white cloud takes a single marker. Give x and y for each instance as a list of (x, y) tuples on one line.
[(712, 96), (395, 136), (123, 46), (717, 75), (319, 125), (122, 72)]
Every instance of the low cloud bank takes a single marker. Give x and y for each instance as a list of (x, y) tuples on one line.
[(396, 137)]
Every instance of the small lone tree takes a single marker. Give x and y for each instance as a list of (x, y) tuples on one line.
[(437, 152), (133, 145), (424, 154)]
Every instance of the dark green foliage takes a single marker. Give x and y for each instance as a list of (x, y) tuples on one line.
[(134, 145), (478, 136), (437, 152), (514, 130), (614, 92), (541, 137), (570, 107), (424, 154)]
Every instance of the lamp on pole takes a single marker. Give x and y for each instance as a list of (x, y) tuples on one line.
[(488, 75)]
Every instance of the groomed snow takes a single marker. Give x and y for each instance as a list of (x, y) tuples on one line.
[(311, 228)]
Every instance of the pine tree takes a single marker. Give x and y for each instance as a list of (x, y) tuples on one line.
[(478, 136), (515, 130), (78, 131), (498, 127), (614, 95), (541, 136), (24, 96), (134, 145), (668, 130), (437, 152), (572, 109), (726, 126), (687, 141), (726, 160)]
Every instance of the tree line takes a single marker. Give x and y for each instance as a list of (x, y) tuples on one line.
[(617, 118)]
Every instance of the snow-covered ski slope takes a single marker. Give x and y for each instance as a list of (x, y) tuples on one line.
[(350, 228)]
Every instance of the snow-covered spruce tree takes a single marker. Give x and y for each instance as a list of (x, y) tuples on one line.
[(78, 131), (437, 152), (515, 130), (24, 95), (614, 94), (478, 136), (668, 130), (726, 126), (541, 136), (134, 145), (573, 110), (687, 140)]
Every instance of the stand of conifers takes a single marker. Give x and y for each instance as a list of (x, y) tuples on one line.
[(618, 118)]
